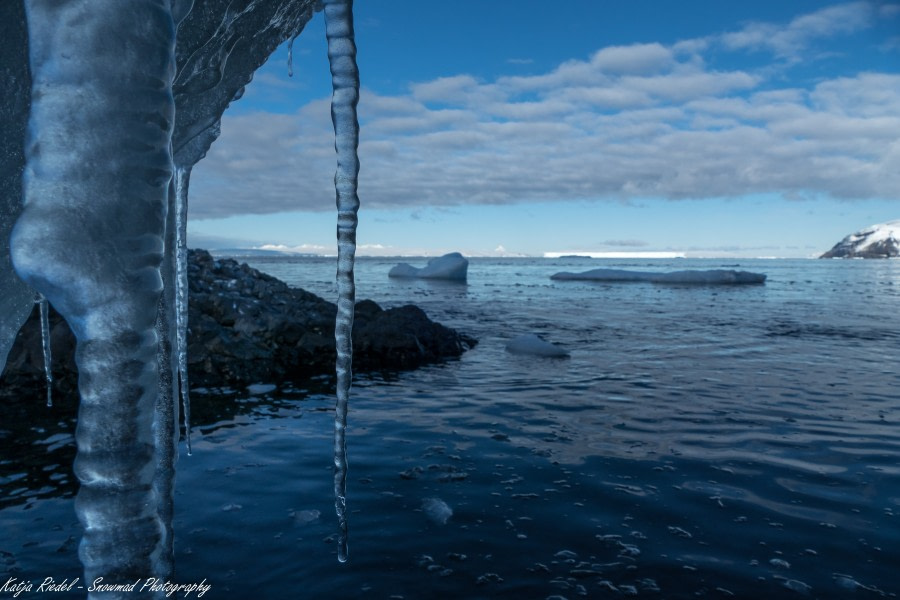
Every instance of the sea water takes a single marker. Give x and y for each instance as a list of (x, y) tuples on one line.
[(700, 441)]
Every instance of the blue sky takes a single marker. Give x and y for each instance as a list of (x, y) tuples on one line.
[(712, 128)]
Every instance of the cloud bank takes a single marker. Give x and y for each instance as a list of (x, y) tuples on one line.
[(636, 121)]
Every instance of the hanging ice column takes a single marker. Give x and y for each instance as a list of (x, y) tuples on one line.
[(44, 308), (90, 239), (345, 82), (182, 183)]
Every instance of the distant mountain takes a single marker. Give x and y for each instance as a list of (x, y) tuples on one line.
[(877, 241)]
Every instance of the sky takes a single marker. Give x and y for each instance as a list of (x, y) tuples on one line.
[(518, 127)]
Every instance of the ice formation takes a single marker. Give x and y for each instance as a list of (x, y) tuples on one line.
[(532, 345), (103, 152), (437, 511), (345, 83), (116, 97), (451, 266), (16, 298), (45, 347), (710, 277), (182, 183)]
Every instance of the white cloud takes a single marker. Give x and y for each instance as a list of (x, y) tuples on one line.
[(634, 59), (791, 40), (630, 122)]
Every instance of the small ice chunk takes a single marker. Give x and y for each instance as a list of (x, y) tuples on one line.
[(710, 277), (532, 345), (797, 586), (437, 510), (258, 389), (451, 266), (304, 517)]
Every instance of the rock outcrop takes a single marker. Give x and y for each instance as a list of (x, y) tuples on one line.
[(877, 241), (246, 327)]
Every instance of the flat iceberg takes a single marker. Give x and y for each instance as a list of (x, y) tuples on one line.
[(532, 345), (451, 266), (710, 277)]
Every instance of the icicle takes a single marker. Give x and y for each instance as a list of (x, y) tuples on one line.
[(182, 182), (345, 83), (45, 343), (103, 274), (165, 414), (290, 60)]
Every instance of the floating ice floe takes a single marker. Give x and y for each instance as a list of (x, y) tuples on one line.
[(451, 266), (713, 276), (258, 389), (532, 345)]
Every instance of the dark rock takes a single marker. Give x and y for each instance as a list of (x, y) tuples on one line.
[(246, 326)]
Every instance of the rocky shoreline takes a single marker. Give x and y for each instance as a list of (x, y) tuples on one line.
[(249, 327)]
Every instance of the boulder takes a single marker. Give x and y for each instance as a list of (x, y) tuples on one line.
[(246, 326)]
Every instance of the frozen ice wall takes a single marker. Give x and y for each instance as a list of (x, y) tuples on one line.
[(91, 239), (115, 98), (16, 298)]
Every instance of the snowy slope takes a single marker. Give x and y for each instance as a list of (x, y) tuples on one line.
[(877, 241)]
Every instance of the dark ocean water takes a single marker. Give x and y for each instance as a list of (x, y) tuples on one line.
[(701, 441)]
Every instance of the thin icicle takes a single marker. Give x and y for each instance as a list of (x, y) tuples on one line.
[(290, 60), (182, 182), (45, 343), (345, 83)]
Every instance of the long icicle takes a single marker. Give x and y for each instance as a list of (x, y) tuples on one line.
[(345, 83), (182, 182), (45, 344)]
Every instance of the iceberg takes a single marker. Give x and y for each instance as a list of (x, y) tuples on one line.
[(451, 266), (709, 277), (531, 345)]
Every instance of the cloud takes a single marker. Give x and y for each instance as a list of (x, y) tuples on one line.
[(792, 40), (636, 58), (625, 243), (630, 122)]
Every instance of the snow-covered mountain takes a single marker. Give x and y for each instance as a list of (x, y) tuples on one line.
[(877, 241)]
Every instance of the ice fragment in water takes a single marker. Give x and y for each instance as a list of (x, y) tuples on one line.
[(345, 96), (437, 510), (182, 183), (530, 344), (45, 344)]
